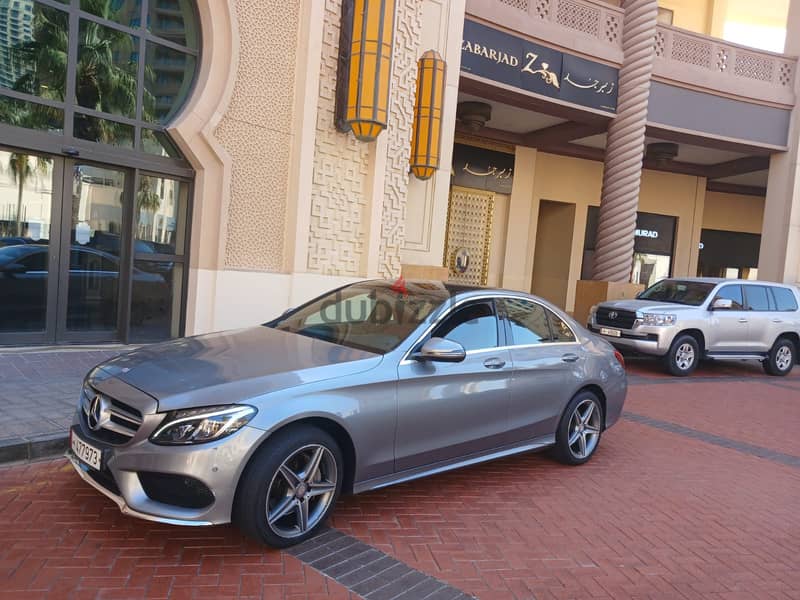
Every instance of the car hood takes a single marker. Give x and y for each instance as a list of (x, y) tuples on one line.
[(232, 366), (648, 305)]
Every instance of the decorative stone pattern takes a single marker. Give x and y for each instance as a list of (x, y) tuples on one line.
[(612, 23), (579, 16), (519, 4), (259, 140), (625, 147), (754, 66), (660, 44), (542, 9), (408, 26), (786, 76), (469, 228), (723, 54), (692, 51), (338, 227)]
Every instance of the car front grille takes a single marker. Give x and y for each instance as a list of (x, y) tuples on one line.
[(612, 317), (108, 419)]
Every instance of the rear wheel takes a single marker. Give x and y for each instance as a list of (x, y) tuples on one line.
[(782, 357), (579, 431), (289, 488), (683, 356)]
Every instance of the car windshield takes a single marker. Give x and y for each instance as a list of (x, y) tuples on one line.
[(371, 316), (692, 293)]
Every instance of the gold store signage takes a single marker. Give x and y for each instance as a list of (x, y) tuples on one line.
[(518, 62)]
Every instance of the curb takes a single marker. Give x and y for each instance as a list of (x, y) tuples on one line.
[(36, 447)]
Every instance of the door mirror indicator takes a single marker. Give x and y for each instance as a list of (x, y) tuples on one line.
[(722, 304), (440, 350)]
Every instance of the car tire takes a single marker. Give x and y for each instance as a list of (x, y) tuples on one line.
[(579, 430), (683, 356), (781, 358), (281, 499)]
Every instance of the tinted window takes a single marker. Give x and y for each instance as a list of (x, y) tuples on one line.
[(528, 322), (561, 331), (732, 293), (784, 298), (474, 327), (757, 298), (35, 262), (693, 293)]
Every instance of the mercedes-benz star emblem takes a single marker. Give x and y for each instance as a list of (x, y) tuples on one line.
[(613, 314), (95, 413)]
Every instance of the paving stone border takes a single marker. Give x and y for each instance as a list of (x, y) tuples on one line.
[(717, 440), (368, 572)]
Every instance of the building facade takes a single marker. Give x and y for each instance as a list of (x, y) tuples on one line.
[(172, 167)]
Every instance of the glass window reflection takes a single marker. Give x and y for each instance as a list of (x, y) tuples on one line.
[(155, 300), (103, 131), (160, 215), (173, 20), (31, 115), (124, 12), (167, 82)]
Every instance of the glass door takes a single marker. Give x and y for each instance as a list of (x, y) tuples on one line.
[(29, 236), (92, 263)]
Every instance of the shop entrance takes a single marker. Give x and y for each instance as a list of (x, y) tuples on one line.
[(88, 252), (553, 251)]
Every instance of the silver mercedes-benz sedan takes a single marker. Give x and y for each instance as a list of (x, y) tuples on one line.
[(372, 384)]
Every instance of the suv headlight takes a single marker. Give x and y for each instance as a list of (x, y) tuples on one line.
[(658, 320), (592, 313), (198, 425)]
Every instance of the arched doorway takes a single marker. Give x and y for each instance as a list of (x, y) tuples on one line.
[(95, 199)]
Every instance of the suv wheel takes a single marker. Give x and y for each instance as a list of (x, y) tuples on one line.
[(290, 486), (683, 356), (781, 358)]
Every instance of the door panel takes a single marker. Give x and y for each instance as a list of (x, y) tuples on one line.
[(762, 330), (447, 410), (729, 331)]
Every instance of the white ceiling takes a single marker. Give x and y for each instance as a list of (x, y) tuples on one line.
[(697, 155), (511, 118)]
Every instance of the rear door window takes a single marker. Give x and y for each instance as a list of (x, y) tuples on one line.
[(785, 300), (758, 298)]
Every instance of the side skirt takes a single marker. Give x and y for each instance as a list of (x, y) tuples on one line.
[(452, 464)]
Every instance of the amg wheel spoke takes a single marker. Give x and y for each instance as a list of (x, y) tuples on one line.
[(313, 464), (588, 414), (283, 509), (290, 476), (321, 488), (582, 444), (574, 437), (592, 429), (301, 510)]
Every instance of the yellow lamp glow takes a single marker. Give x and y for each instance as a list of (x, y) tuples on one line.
[(426, 138), (370, 67)]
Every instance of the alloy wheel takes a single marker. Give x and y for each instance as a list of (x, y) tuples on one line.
[(783, 358), (301, 491), (584, 429), (684, 357)]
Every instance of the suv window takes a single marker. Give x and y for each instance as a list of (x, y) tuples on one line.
[(757, 298), (733, 293), (473, 326), (784, 299)]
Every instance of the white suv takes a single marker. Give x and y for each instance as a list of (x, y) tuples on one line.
[(685, 320)]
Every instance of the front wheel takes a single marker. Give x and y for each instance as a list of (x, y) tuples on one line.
[(290, 486), (683, 356), (579, 431), (782, 358)]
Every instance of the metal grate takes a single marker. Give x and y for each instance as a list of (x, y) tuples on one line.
[(611, 317), (118, 422)]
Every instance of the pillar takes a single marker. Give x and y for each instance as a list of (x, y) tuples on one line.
[(622, 173)]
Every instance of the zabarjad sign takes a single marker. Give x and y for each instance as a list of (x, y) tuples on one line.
[(515, 61)]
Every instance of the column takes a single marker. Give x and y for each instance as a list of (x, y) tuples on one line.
[(779, 258), (625, 146)]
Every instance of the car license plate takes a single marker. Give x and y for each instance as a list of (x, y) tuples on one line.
[(86, 452), (611, 332)]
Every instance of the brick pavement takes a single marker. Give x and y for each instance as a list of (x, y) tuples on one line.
[(655, 514)]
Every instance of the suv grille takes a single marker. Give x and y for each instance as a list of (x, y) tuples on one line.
[(622, 319), (107, 419)]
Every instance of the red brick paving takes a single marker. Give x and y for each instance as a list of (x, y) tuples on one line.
[(653, 515)]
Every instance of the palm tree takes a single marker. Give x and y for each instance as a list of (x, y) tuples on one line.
[(19, 165)]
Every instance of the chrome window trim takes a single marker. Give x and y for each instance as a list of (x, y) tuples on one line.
[(405, 360)]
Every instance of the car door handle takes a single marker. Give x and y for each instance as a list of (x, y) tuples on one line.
[(570, 358), (742, 320), (494, 363), (777, 320)]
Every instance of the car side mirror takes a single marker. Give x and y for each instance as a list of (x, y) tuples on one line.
[(722, 304), (439, 349)]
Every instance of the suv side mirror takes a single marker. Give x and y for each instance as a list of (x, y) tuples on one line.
[(440, 350), (722, 304)]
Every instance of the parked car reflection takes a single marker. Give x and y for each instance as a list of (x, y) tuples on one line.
[(93, 289)]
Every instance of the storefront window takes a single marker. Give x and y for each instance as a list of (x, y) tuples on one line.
[(729, 254)]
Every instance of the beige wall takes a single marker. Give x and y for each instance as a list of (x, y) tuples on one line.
[(553, 250), (733, 212), (695, 15)]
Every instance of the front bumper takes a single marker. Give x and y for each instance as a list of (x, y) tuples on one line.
[(645, 339), (217, 465)]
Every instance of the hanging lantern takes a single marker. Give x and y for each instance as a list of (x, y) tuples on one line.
[(364, 100), (427, 134)]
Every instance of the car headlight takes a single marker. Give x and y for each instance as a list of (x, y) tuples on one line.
[(198, 425), (658, 320)]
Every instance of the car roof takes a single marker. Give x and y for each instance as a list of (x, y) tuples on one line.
[(718, 280)]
